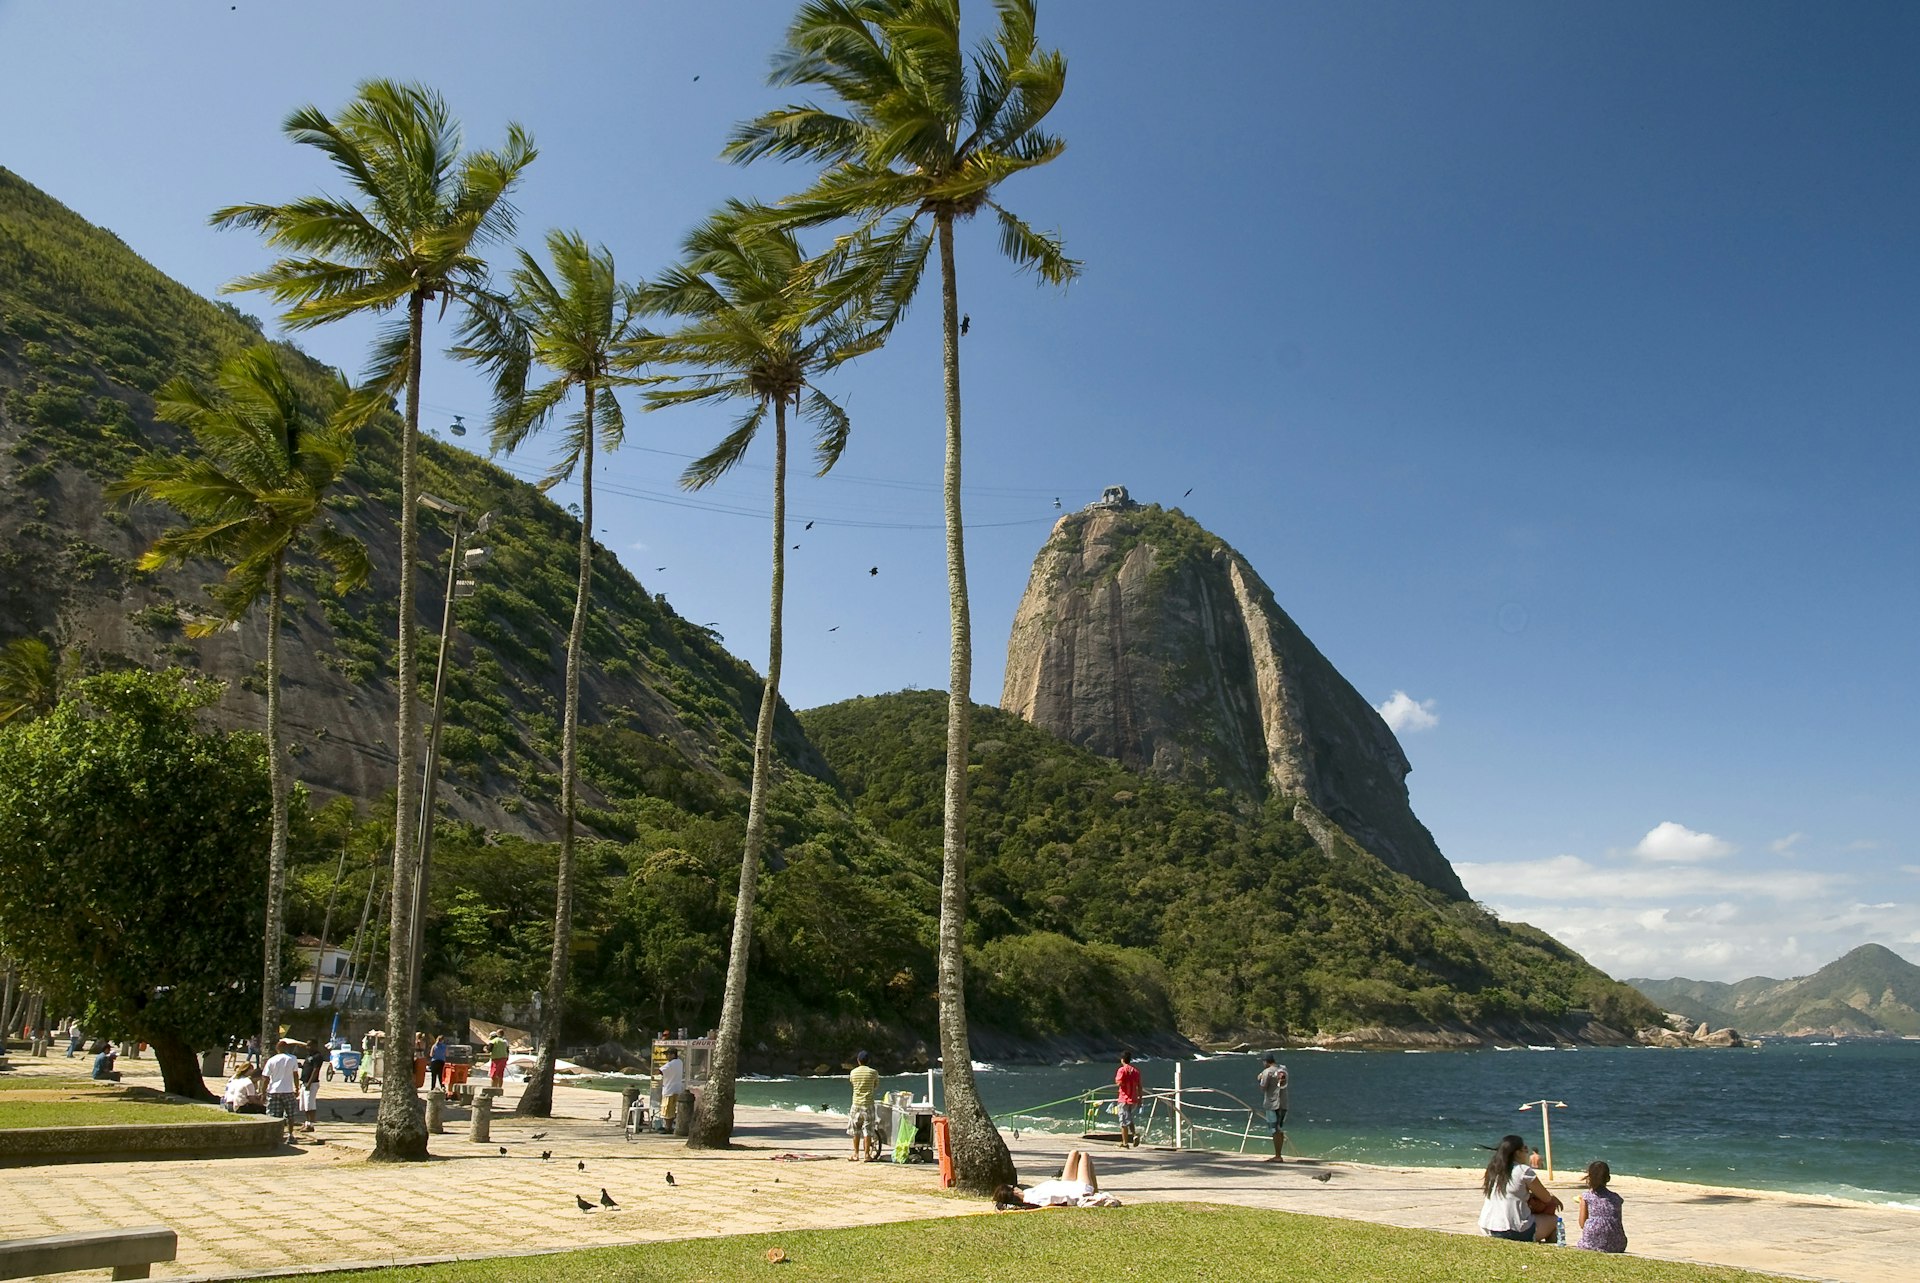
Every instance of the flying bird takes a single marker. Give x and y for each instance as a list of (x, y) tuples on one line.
[(796, 547), (873, 570), (809, 525), (670, 1178), (1056, 501), (1189, 491), (659, 567), (966, 323), (538, 1136), (834, 629), (696, 79), (582, 1203), (606, 1199)]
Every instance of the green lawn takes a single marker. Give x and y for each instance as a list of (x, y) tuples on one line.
[(36, 1082), (100, 1113), (1157, 1242)]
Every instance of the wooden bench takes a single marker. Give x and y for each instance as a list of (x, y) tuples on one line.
[(130, 1254)]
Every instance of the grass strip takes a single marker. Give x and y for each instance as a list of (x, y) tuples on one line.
[(1161, 1242), (20, 1114)]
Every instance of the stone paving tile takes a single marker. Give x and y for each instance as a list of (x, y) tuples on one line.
[(318, 1203)]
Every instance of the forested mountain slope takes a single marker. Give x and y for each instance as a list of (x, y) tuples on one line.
[(1869, 991), (88, 330), (1251, 925)]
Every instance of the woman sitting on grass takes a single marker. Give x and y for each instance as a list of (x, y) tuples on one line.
[(1508, 1185), (243, 1094), (1601, 1228), (1077, 1186)]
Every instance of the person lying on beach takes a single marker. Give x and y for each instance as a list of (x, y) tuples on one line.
[(1598, 1210), (1076, 1186), (1509, 1185)]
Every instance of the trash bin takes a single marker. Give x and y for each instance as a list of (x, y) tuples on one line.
[(683, 1115)]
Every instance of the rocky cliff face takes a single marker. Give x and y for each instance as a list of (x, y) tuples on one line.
[(1148, 640)]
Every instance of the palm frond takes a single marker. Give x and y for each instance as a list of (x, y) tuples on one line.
[(1041, 252), (831, 427), (714, 464)]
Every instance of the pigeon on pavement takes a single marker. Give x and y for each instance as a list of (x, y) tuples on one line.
[(606, 1199), (1323, 1177), (669, 1178), (582, 1203)]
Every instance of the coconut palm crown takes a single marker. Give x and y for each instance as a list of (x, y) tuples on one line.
[(575, 323), (253, 491), (421, 208), (753, 330), (916, 136)]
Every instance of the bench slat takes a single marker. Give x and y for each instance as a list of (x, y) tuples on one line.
[(121, 1251)]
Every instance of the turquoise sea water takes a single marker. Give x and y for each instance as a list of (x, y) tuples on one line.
[(1818, 1119)]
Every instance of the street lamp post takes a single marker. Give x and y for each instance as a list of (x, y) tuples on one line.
[(460, 558), (1546, 1108)]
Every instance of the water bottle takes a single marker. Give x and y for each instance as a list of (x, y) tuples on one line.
[(1560, 1230)]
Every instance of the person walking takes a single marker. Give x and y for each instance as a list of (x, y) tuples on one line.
[(310, 1086), (497, 1051), (437, 1063), (1273, 1098), (863, 1119), (1126, 1084), (283, 1085)]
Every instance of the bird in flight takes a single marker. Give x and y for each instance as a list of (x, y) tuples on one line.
[(1189, 491), (834, 629), (873, 570), (966, 323), (538, 1136), (1056, 501), (809, 525)]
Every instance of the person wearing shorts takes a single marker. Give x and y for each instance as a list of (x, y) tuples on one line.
[(1273, 1096), (863, 1119), (283, 1086), (1126, 1085)]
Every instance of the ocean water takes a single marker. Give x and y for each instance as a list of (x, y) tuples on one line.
[(1840, 1120)]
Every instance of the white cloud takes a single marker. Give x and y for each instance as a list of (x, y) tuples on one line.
[(1676, 842), (1911, 868), (1785, 845), (1405, 713)]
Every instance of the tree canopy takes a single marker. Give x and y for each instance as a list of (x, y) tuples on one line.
[(133, 849)]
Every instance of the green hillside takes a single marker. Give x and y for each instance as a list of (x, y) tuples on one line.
[(1251, 926), (1869, 991)]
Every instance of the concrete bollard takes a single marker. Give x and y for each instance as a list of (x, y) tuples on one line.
[(482, 1129), (436, 1110)]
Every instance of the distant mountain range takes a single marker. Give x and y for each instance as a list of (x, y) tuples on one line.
[(1872, 991)]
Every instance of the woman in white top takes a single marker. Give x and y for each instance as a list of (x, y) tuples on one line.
[(1507, 1184), (242, 1094)]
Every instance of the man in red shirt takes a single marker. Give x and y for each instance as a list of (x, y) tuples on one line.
[(1126, 1081)]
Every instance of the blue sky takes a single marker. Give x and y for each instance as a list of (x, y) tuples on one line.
[(1555, 364)]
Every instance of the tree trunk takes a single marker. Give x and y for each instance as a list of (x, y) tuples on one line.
[(980, 1157), (277, 844), (400, 1129), (713, 1119), (359, 940), (537, 1100), (326, 924), (179, 1064)]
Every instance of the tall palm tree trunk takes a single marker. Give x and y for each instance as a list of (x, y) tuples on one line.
[(400, 1129), (538, 1097), (277, 844), (980, 1157), (713, 1120)]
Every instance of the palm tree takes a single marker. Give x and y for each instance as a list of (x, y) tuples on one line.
[(576, 323), (753, 333), (423, 209), (919, 139), (29, 679), (252, 491)]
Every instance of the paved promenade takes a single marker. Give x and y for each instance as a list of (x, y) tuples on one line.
[(319, 1204)]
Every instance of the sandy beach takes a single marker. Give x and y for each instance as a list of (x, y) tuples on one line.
[(324, 1205)]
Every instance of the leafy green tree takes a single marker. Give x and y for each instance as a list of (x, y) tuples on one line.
[(253, 490), (29, 679), (753, 331), (133, 848), (574, 323), (924, 134), (423, 210)]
